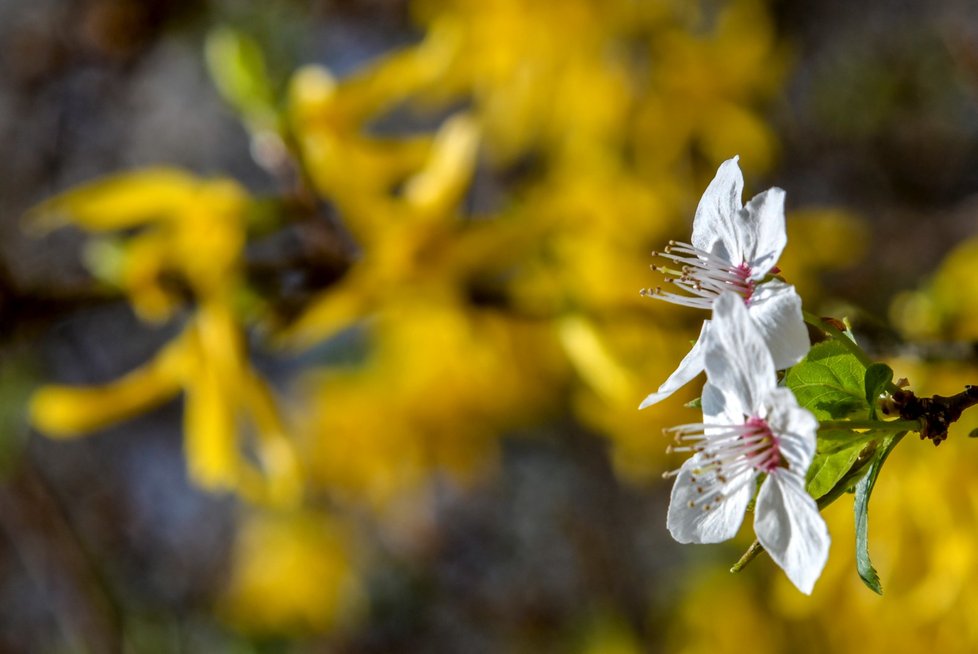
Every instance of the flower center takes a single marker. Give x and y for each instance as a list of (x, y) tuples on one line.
[(771, 458), (700, 276), (725, 453)]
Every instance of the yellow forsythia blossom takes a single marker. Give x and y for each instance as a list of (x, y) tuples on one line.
[(194, 229), (292, 573), (947, 307)]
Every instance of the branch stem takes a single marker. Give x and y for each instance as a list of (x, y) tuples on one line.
[(935, 414), (877, 425)]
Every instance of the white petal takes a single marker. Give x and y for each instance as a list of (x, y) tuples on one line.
[(790, 528), (764, 222), (736, 359), (794, 427), (719, 409), (694, 524), (689, 368), (776, 309), (715, 227)]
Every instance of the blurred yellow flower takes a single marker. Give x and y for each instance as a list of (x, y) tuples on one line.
[(703, 88), (820, 240), (292, 573), (408, 240), (440, 384), (191, 230), (531, 89), (946, 307)]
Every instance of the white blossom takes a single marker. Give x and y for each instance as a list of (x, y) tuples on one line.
[(750, 428), (734, 248)]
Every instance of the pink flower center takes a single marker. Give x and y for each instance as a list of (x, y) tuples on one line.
[(770, 457), (729, 457), (745, 285)]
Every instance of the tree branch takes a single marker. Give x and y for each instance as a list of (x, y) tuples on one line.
[(936, 414)]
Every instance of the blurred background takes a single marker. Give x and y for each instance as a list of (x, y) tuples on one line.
[(321, 326)]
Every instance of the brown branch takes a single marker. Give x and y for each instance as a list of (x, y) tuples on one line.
[(936, 414)]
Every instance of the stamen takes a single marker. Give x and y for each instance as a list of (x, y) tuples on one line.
[(726, 453), (702, 276)]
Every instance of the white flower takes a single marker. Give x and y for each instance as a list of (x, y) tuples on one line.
[(750, 427), (735, 248)]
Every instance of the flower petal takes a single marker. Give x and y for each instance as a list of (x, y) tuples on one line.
[(791, 529), (736, 359), (775, 308), (689, 368), (763, 220), (689, 522), (794, 426), (715, 227), (719, 409)]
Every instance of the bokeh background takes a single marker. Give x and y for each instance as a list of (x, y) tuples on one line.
[(321, 327)]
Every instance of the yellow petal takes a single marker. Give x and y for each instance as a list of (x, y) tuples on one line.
[(226, 400), (444, 180), (66, 411), (331, 311), (119, 202), (210, 430), (398, 76), (144, 259), (279, 462), (592, 359), (210, 441)]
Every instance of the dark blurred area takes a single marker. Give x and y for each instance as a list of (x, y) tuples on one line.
[(880, 116)]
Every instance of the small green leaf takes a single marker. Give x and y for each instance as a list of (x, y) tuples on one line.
[(237, 66), (694, 404), (829, 382), (878, 377), (861, 506), (828, 469)]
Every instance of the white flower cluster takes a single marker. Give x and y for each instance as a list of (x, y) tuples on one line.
[(751, 427)]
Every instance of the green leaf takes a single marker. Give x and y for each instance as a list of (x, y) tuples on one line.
[(878, 377), (829, 382), (237, 66), (834, 440), (18, 378), (863, 491), (829, 469), (694, 404)]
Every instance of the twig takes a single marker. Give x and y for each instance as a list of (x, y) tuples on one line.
[(936, 414)]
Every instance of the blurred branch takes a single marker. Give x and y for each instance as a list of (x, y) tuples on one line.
[(56, 562), (26, 310)]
